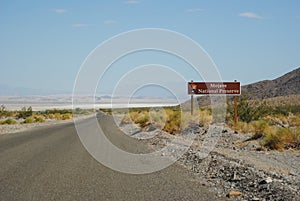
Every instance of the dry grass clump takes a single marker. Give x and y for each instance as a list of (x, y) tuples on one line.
[(8, 121), (201, 118), (126, 119), (258, 128), (59, 116), (142, 118), (275, 132), (169, 119), (66, 116), (243, 127), (275, 137), (282, 138), (173, 121), (166, 119), (49, 116), (205, 117), (139, 117), (288, 121), (158, 117), (39, 118), (294, 120), (34, 119), (28, 120), (27, 116)]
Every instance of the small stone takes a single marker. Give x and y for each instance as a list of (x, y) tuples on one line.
[(234, 176), (269, 180), (265, 181), (262, 182), (251, 185), (259, 149), (235, 193)]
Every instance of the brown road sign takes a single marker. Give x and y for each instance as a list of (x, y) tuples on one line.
[(228, 88)]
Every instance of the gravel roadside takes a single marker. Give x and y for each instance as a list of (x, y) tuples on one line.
[(236, 169)]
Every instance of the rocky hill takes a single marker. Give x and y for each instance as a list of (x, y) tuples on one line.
[(287, 84)]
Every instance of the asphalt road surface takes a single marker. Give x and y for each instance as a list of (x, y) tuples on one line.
[(50, 163)]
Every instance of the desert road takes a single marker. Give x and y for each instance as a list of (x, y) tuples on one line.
[(50, 163)]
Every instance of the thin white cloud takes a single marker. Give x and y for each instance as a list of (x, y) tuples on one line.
[(194, 10), (59, 10), (132, 1), (81, 25), (110, 22), (250, 15)]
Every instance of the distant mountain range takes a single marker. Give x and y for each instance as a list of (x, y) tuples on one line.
[(6, 90), (287, 84)]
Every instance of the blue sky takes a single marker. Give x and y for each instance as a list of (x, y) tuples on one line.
[(43, 43)]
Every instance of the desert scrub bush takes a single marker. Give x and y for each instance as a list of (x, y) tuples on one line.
[(248, 110), (169, 119), (39, 118), (205, 117), (173, 121), (57, 111), (49, 116), (79, 111), (187, 119), (106, 110), (57, 116), (3, 111), (158, 117), (66, 116), (274, 120), (282, 138), (134, 115), (290, 137), (141, 118), (294, 120), (285, 109), (126, 119), (243, 127), (271, 140), (290, 120), (28, 120), (8, 121), (201, 118), (25, 112), (282, 119), (258, 128)]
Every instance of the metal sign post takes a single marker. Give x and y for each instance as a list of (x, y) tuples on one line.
[(192, 97), (235, 111), (192, 104)]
